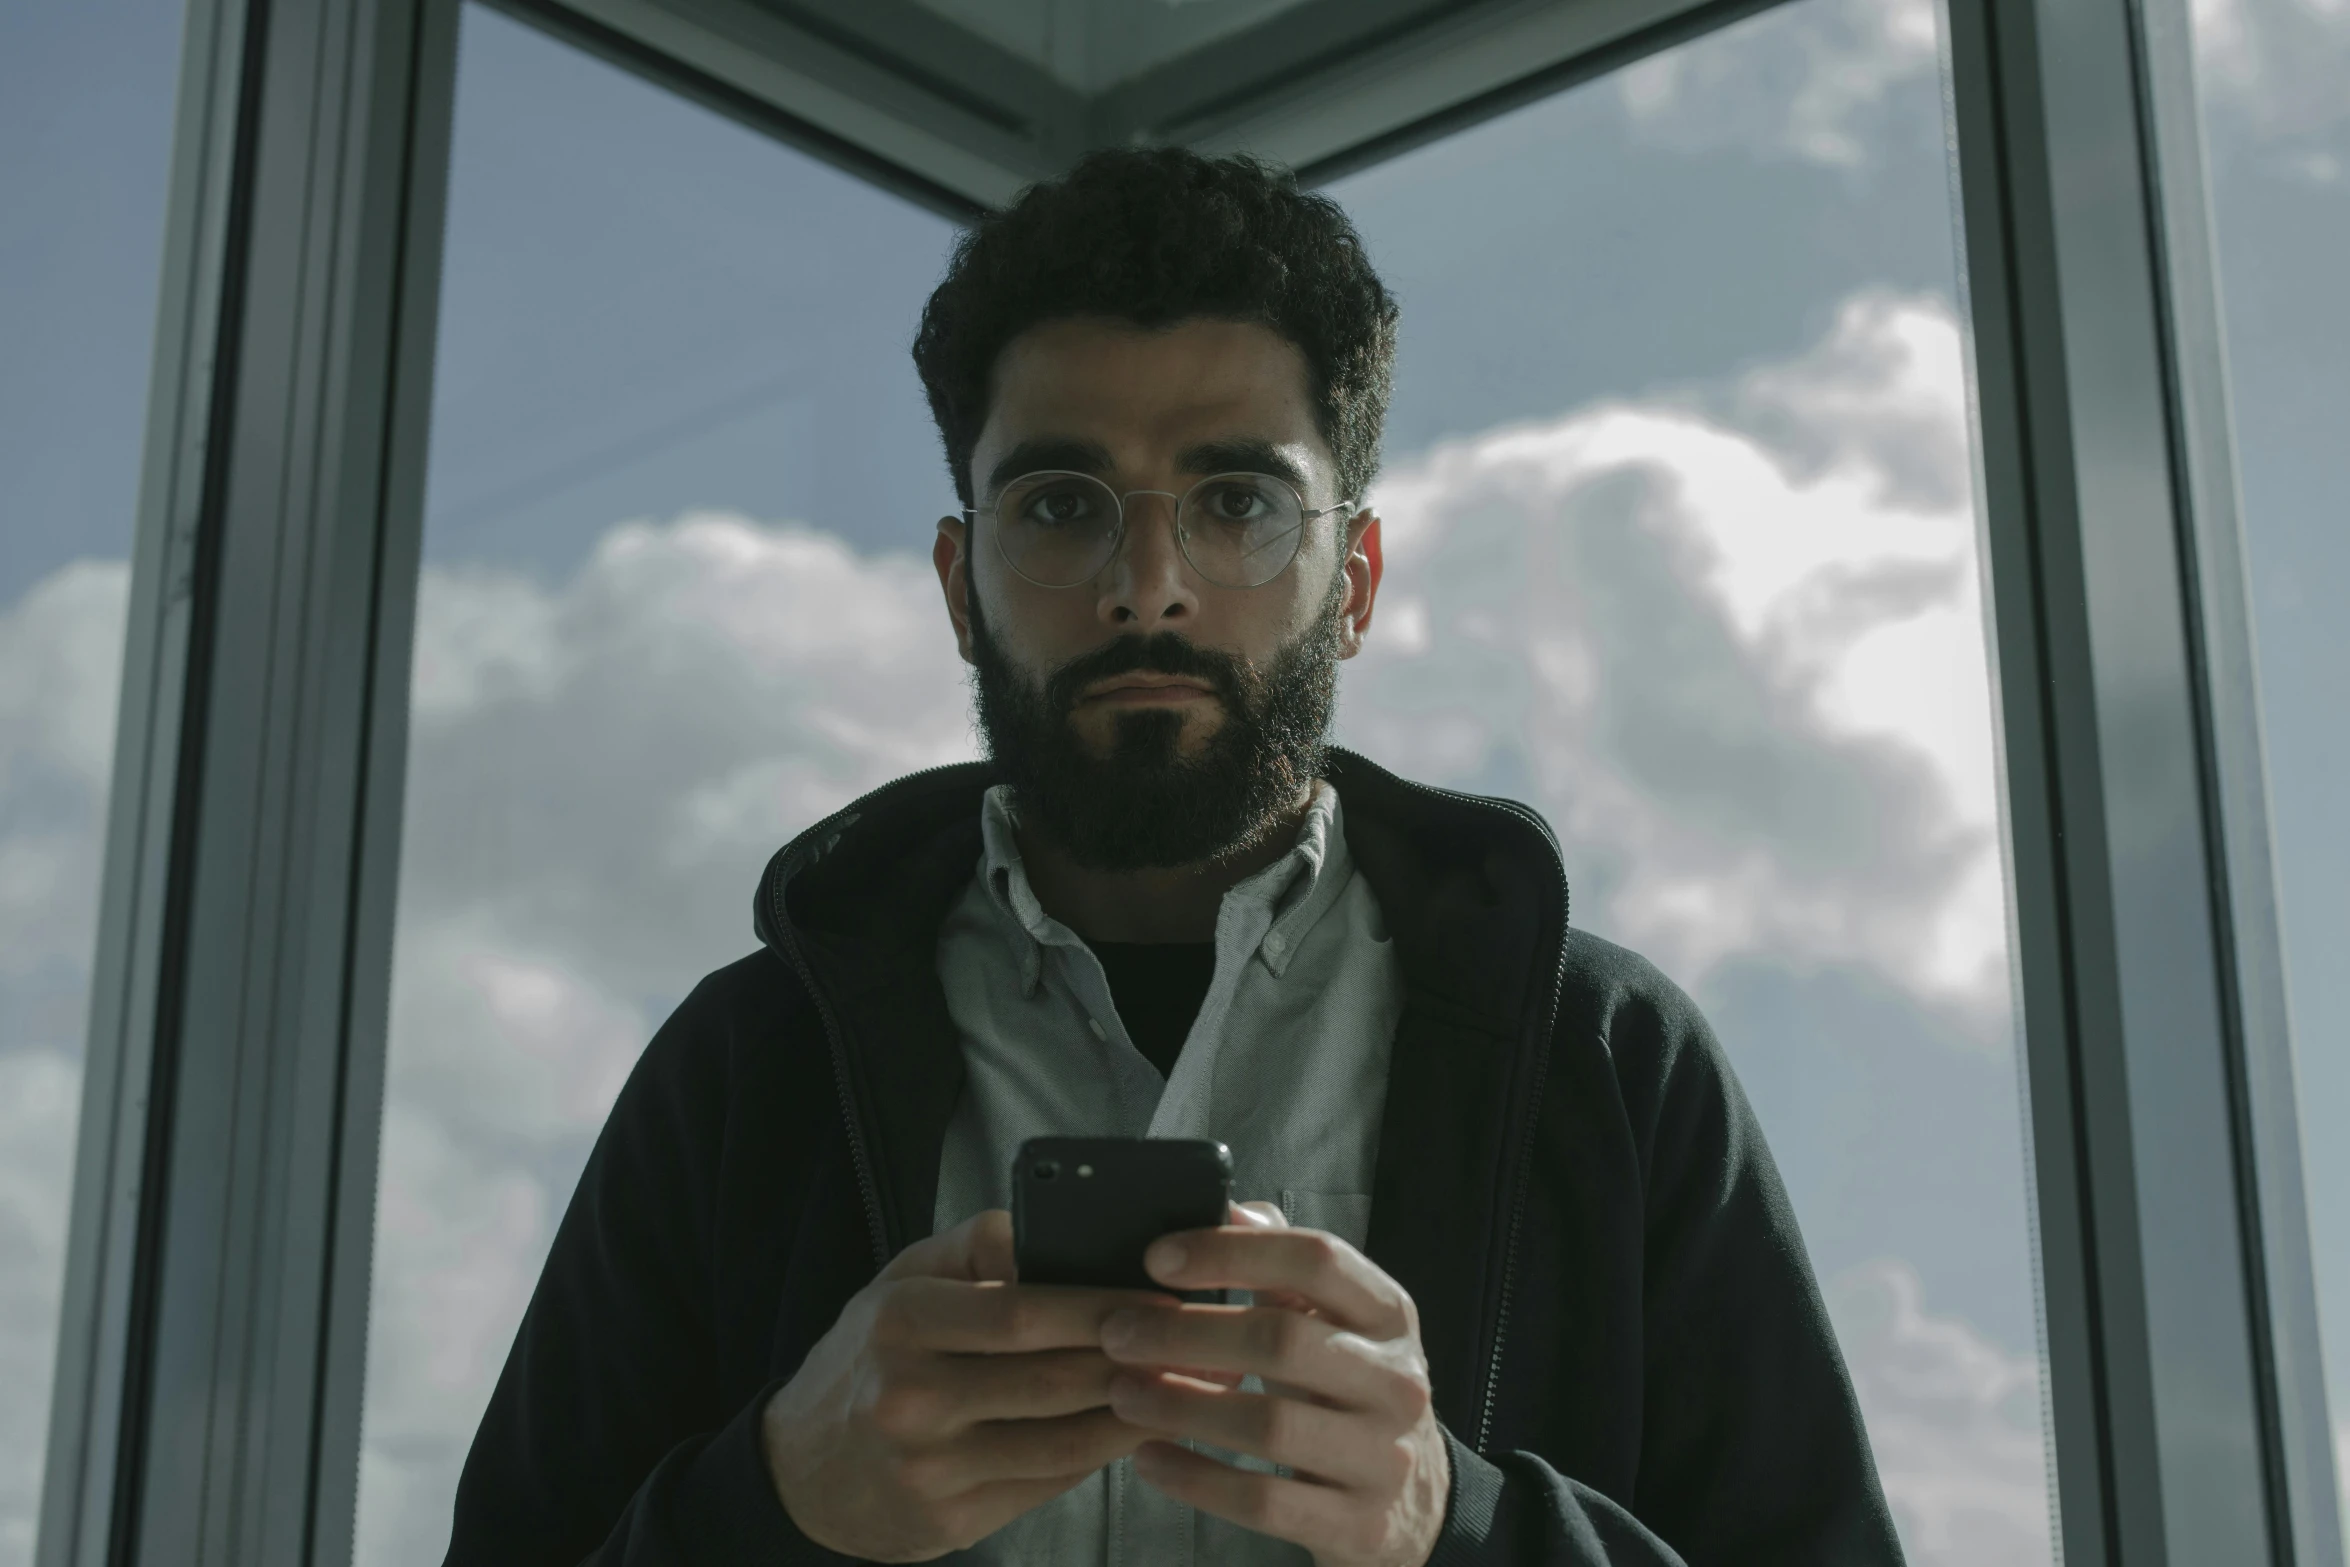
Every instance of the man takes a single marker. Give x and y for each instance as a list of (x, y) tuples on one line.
[(1525, 1285)]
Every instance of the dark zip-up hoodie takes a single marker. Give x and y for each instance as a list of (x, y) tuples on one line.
[(1628, 1350)]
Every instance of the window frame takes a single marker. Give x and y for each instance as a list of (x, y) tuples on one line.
[(212, 1351)]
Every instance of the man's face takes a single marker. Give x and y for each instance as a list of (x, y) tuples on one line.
[(1148, 716)]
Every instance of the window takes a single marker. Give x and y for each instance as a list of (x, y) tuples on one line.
[(2274, 80), (85, 140), (1681, 544), (1682, 504), (676, 604), (1680, 519)]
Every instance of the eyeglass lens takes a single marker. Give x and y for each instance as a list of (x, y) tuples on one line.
[(1238, 530)]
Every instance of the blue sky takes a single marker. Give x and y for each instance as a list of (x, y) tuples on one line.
[(1728, 273)]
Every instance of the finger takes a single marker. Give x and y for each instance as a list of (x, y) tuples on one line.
[(1343, 1284), (1022, 1387), (1302, 1352), (979, 1248), (997, 1319), (1043, 1449), (1061, 1448), (1318, 1517), (1259, 1215), (1332, 1445)]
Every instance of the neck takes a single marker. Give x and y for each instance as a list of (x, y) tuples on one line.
[(1158, 904)]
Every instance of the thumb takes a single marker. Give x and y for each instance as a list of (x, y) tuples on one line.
[(978, 1250)]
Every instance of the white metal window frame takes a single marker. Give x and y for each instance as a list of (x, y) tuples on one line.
[(211, 1359)]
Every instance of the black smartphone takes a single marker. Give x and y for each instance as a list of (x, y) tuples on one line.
[(1084, 1209)]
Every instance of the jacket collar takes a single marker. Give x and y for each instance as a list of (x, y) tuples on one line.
[(1474, 895)]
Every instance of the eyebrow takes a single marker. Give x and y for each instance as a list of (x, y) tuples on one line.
[(1241, 454), (1072, 454), (1063, 453)]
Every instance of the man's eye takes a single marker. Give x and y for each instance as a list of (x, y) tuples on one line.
[(1235, 503), (1060, 507)]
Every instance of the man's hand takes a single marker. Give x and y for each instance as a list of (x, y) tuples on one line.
[(945, 1402), (1347, 1411)]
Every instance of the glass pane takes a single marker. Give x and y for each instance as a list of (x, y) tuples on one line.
[(1681, 548), (85, 145), (672, 611), (1680, 520), (2274, 78)]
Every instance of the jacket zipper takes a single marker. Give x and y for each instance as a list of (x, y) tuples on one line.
[(1531, 1100)]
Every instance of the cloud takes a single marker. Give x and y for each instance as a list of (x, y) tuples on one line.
[(643, 735), (1954, 1421), (1811, 83), (60, 666), (40, 1090), (1805, 82), (1735, 652), (2275, 74), (598, 769)]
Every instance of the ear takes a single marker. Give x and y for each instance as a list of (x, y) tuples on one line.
[(1364, 565), (951, 554)]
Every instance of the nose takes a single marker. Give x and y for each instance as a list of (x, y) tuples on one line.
[(1148, 585)]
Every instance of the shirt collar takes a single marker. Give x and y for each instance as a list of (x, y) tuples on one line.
[(1295, 890)]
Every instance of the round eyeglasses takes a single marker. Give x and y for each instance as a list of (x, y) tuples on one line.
[(1238, 530)]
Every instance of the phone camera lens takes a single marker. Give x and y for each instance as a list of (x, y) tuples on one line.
[(1046, 1169)]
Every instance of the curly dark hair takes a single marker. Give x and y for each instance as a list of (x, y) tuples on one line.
[(1155, 236)]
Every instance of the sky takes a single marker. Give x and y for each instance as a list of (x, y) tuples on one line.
[(1681, 544)]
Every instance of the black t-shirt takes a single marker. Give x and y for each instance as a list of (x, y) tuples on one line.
[(1157, 987)]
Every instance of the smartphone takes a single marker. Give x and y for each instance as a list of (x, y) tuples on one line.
[(1084, 1209)]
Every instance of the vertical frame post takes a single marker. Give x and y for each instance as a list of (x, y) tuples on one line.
[(2180, 1316), (212, 1357)]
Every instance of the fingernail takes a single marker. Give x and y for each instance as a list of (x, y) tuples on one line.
[(1167, 1257)]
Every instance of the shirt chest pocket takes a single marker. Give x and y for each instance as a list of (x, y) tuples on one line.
[(1346, 1215)]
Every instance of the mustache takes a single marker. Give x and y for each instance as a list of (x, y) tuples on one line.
[(1160, 653)]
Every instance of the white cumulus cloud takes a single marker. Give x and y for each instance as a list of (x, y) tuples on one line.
[(1810, 82), (60, 665), (598, 769), (1736, 654), (1953, 1419), (2276, 73), (1807, 82)]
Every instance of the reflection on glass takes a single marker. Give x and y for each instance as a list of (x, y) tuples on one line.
[(2274, 79), (85, 143), (673, 609), (1681, 547)]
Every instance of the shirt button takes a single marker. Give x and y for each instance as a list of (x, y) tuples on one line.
[(1099, 1032), (1274, 944)]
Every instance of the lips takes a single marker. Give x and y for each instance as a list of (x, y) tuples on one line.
[(1148, 688)]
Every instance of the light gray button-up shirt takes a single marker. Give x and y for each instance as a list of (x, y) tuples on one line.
[(1286, 1064)]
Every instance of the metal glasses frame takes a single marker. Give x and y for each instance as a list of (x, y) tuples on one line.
[(211, 1357), (1306, 517)]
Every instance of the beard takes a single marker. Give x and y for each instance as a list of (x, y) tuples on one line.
[(1144, 805)]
